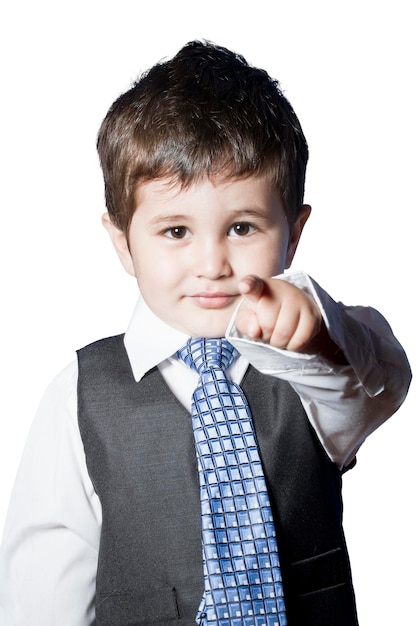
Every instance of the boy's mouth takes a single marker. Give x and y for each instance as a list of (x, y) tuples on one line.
[(213, 300)]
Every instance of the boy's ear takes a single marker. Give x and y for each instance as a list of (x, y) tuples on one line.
[(303, 215), (120, 243)]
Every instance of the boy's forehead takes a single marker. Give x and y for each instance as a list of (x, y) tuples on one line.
[(159, 186), (170, 188)]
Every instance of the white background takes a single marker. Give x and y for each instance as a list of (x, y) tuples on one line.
[(349, 69)]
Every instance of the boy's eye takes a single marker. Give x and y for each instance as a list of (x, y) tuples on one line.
[(242, 229), (177, 232)]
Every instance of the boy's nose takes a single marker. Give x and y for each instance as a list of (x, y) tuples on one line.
[(210, 260)]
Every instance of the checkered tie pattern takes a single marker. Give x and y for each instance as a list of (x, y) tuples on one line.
[(242, 577)]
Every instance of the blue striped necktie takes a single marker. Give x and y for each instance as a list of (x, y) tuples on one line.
[(242, 577)]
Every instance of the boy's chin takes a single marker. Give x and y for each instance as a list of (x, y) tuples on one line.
[(211, 333), (209, 330), (201, 323)]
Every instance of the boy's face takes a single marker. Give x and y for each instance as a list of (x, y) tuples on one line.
[(189, 248)]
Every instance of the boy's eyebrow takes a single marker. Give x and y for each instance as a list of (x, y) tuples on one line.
[(235, 214), (161, 219), (251, 212)]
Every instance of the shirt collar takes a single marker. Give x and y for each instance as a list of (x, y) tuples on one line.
[(149, 341)]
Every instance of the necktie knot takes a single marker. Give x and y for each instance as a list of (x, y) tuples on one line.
[(202, 354)]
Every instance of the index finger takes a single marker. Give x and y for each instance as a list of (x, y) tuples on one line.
[(251, 287)]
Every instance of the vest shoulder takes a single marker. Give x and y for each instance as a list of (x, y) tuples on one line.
[(101, 358), (101, 345)]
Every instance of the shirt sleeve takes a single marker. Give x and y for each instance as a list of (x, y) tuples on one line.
[(344, 403), (48, 559)]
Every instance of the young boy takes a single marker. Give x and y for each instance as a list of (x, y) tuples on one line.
[(204, 164)]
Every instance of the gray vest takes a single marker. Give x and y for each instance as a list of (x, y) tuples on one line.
[(140, 454)]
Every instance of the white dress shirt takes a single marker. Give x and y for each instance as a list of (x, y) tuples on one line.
[(48, 559)]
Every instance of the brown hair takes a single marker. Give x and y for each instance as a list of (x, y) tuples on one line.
[(204, 113)]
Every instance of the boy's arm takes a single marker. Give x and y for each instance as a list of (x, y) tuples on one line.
[(349, 388), (48, 557)]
